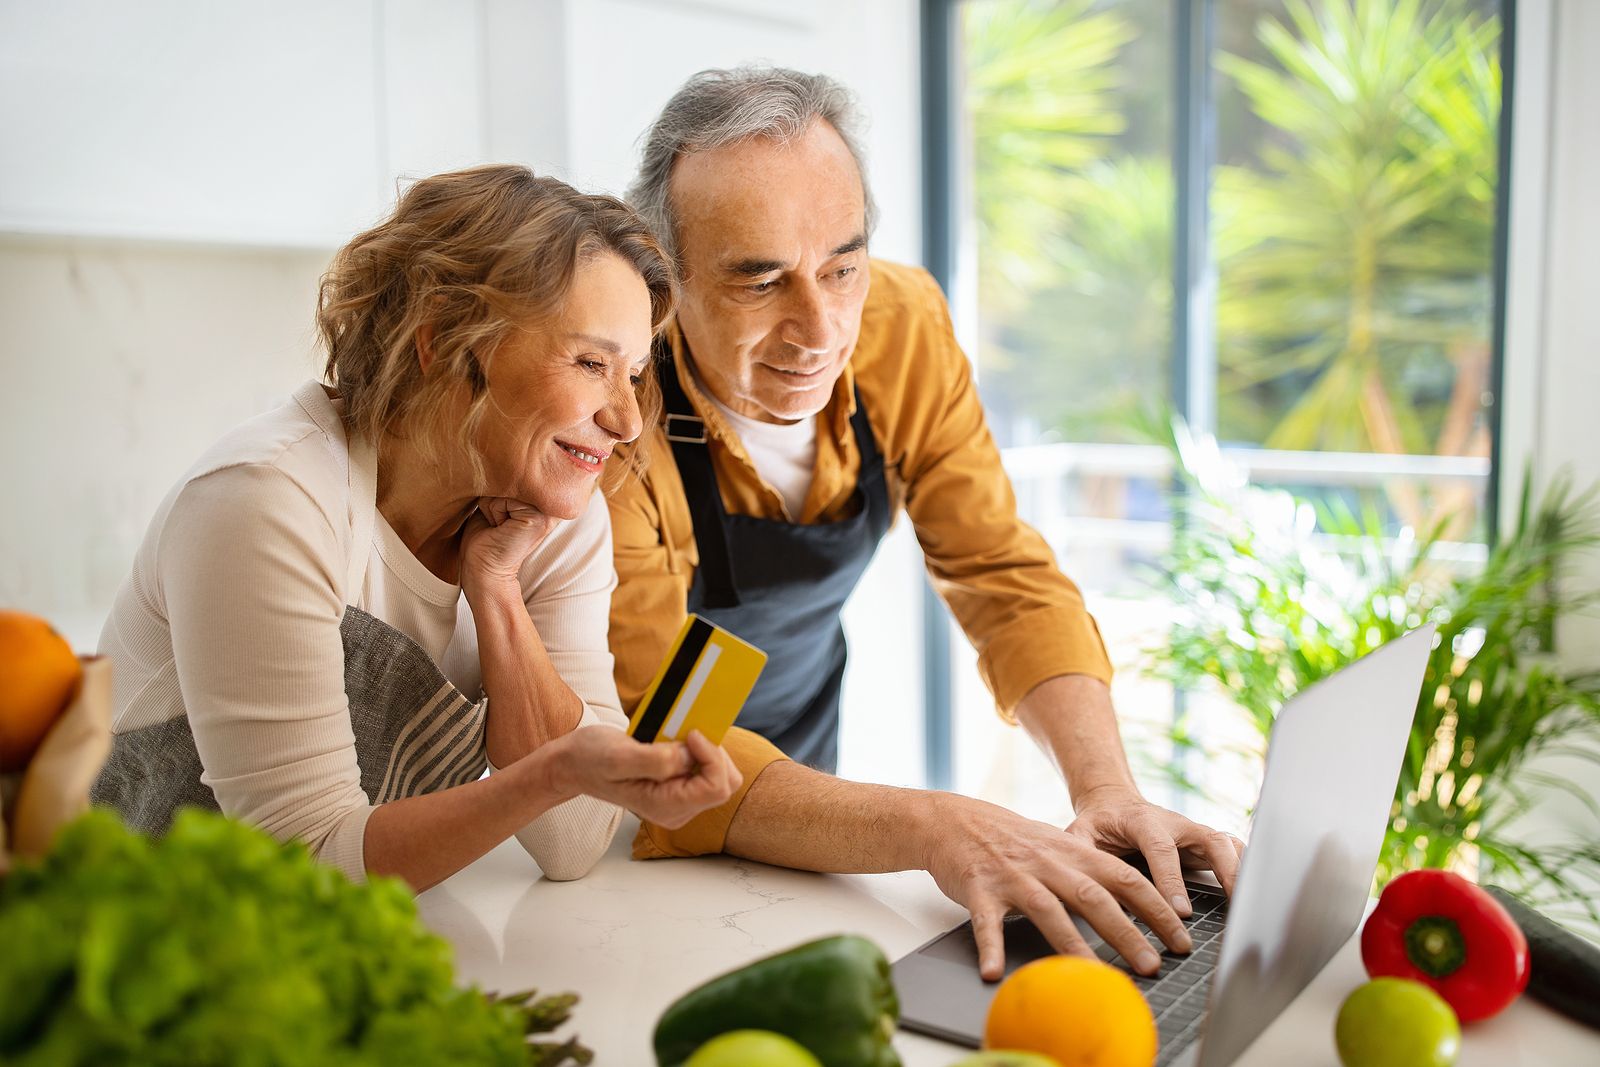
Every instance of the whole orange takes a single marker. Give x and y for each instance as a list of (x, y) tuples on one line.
[(38, 678), (1082, 1012)]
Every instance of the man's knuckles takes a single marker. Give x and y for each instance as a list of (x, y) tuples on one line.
[(1036, 899)]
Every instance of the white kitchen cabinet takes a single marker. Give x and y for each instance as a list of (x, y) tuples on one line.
[(279, 124)]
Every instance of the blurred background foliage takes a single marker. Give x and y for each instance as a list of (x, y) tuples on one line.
[(1272, 593), (1352, 212)]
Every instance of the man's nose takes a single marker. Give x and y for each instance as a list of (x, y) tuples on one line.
[(808, 324)]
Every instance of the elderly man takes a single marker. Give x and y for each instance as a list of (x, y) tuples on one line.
[(811, 394)]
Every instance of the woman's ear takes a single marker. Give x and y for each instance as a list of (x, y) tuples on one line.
[(425, 346)]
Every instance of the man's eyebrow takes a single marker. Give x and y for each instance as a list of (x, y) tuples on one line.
[(855, 244), (751, 268), (603, 343), (754, 268)]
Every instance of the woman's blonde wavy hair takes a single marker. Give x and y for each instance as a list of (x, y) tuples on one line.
[(475, 254)]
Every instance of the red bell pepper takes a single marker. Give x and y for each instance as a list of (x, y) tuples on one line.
[(1439, 929)]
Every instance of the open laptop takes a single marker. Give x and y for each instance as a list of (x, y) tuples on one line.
[(1300, 893)]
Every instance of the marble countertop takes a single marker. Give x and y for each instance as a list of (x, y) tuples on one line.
[(630, 938)]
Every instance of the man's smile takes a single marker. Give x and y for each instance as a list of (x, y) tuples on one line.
[(801, 376)]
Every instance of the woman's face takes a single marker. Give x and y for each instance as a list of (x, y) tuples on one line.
[(561, 396)]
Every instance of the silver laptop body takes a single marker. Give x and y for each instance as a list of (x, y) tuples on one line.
[(1302, 888)]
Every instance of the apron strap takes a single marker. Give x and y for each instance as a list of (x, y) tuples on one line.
[(687, 433), (871, 477)]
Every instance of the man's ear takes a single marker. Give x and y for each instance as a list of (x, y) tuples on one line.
[(425, 346)]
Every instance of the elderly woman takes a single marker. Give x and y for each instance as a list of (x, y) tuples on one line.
[(355, 604)]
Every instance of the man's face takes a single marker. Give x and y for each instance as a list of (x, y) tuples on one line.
[(772, 238)]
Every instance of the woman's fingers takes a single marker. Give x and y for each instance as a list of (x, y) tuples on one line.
[(715, 764), (668, 783)]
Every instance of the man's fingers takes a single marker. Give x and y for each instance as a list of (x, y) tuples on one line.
[(1099, 908), (1219, 851), (1045, 907), (988, 917), (1166, 871), (1146, 900)]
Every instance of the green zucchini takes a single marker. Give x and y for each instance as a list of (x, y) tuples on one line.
[(1566, 968), (834, 996)]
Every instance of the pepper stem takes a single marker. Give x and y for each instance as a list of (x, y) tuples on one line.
[(1435, 945)]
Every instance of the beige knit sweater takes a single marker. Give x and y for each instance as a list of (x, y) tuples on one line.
[(231, 617)]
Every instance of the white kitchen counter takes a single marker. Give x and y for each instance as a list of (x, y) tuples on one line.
[(631, 937)]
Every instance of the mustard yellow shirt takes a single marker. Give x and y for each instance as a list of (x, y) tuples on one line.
[(1026, 619)]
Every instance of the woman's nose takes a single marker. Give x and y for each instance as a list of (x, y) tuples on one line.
[(620, 418)]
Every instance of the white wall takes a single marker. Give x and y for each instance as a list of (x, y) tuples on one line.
[(177, 173)]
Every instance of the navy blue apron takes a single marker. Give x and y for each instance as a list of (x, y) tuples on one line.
[(780, 585)]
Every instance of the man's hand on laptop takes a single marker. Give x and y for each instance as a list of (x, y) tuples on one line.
[(993, 861), (1120, 821)]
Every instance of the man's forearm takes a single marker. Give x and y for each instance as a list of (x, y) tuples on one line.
[(796, 817), (1073, 722)]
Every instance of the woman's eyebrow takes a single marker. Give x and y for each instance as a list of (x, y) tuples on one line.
[(605, 344)]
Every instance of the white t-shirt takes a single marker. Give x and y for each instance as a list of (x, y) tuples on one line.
[(784, 454), (231, 617)]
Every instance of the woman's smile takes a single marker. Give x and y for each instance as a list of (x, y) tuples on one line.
[(592, 462)]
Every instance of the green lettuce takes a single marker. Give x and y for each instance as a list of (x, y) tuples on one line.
[(218, 945)]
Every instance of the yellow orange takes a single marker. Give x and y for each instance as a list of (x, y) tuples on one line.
[(38, 678), (1081, 1012)]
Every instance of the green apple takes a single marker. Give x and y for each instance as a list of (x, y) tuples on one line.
[(1395, 1022), (752, 1048)]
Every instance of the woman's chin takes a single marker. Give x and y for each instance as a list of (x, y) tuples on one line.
[(567, 504)]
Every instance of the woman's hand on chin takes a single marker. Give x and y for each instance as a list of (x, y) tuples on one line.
[(499, 537), (664, 783)]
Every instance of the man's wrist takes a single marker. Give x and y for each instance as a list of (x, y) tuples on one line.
[(1104, 794), (937, 819)]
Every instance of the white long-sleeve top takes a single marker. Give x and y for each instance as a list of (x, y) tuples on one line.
[(231, 617)]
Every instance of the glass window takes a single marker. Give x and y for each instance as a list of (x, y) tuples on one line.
[(1351, 195)]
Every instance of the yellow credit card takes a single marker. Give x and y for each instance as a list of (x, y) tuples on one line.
[(707, 676)]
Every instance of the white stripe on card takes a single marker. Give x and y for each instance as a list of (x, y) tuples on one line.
[(691, 691)]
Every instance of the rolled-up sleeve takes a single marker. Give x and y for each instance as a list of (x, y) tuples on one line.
[(1026, 619), (706, 833)]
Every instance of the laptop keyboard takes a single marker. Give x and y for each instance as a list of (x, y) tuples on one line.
[(1177, 994)]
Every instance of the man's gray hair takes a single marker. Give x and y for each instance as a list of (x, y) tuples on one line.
[(716, 108)]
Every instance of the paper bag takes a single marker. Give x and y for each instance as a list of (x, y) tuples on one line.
[(54, 787)]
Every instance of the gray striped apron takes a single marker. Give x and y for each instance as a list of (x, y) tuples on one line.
[(415, 733)]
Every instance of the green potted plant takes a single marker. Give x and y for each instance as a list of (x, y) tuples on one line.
[(1272, 593)]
